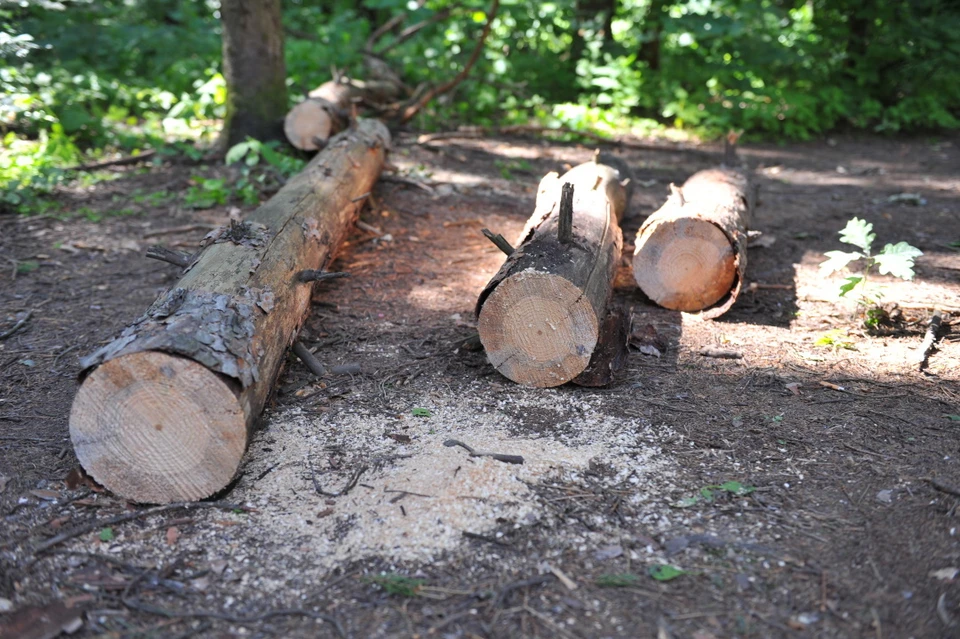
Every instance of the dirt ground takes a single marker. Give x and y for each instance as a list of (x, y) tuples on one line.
[(805, 490)]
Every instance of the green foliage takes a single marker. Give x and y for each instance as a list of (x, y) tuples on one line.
[(709, 494), (895, 259), (396, 584), (421, 412), (206, 193), (618, 580), (665, 572), (82, 79), (106, 534)]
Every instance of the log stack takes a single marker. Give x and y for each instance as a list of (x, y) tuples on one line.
[(691, 253), (164, 412), (540, 317)]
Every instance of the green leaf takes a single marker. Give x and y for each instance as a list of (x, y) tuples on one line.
[(236, 152), (707, 494), (617, 580), (953, 418), (396, 584), (859, 233), (106, 534), (421, 412), (736, 488), (664, 572), (851, 284), (897, 260), (687, 502), (837, 260), (27, 266)]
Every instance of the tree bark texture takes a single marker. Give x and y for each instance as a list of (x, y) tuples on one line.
[(254, 70), (691, 254), (165, 411), (540, 316)]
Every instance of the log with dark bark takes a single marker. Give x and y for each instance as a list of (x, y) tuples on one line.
[(691, 254), (164, 412), (540, 316)]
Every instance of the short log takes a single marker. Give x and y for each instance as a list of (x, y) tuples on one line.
[(164, 412), (540, 316), (310, 124), (691, 254)]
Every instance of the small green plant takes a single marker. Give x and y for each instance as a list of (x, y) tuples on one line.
[(275, 168), (106, 534), (421, 412), (895, 259), (709, 493), (665, 572), (396, 584), (206, 193), (836, 339)]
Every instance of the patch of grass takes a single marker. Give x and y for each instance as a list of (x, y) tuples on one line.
[(617, 580), (396, 584), (709, 494), (29, 266)]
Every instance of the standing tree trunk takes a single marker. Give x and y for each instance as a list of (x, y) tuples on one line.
[(254, 69)]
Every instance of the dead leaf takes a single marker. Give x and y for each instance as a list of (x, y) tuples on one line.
[(326, 512), (400, 438), (41, 622), (173, 534), (945, 574), (793, 388), (74, 478)]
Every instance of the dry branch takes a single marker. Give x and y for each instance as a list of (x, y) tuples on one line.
[(410, 110), (540, 316), (164, 412), (691, 254)]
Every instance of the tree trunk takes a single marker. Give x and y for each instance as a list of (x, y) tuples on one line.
[(540, 316), (691, 254), (650, 47), (165, 411), (254, 70)]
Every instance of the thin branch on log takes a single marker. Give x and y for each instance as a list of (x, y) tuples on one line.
[(162, 253), (565, 219), (125, 161), (413, 29), (500, 242), (311, 275), (929, 339), (308, 359), (410, 110)]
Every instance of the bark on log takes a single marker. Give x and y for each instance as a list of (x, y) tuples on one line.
[(540, 316), (164, 412), (691, 254), (310, 124)]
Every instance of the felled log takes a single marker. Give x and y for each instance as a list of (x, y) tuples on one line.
[(310, 124), (540, 316), (691, 254), (164, 412)]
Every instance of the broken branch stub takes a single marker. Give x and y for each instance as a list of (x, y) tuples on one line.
[(164, 412), (540, 316)]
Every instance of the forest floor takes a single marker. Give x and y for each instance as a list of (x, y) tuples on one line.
[(809, 489)]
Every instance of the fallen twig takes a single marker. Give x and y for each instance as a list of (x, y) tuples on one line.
[(411, 109), (119, 519), (124, 161), (517, 585), (490, 540), (944, 488), (507, 459), (310, 275), (308, 359), (350, 485), (180, 229), (399, 179), (16, 327), (720, 353)]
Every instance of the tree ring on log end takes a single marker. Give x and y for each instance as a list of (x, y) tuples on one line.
[(538, 329), (687, 264), (306, 123), (158, 428)]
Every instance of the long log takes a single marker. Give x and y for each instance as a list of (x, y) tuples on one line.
[(540, 316), (691, 254), (164, 412)]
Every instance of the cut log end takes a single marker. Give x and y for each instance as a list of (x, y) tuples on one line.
[(308, 125), (688, 265), (538, 329), (157, 428)]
